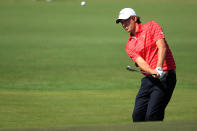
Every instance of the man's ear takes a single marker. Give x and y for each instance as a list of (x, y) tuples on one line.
[(135, 18)]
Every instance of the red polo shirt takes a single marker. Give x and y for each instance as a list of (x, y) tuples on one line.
[(144, 44)]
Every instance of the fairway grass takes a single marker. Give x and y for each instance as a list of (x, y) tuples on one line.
[(57, 108), (83, 107), (63, 65)]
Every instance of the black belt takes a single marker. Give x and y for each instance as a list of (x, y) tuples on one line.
[(170, 71)]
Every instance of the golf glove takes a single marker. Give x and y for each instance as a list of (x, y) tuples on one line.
[(161, 72)]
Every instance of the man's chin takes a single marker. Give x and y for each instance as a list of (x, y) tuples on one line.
[(128, 31)]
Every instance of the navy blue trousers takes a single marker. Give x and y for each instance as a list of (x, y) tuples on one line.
[(153, 98)]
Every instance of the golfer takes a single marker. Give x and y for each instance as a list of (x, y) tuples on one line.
[(148, 48)]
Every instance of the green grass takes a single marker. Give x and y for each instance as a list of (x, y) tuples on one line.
[(63, 65)]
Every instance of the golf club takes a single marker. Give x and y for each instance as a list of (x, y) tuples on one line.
[(129, 68)]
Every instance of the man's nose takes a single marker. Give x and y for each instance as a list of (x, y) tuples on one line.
[(124, 25)]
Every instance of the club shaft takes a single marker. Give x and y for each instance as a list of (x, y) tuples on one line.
[(132, 69)]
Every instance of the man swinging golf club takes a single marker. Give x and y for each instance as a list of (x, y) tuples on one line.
[(148, 48)]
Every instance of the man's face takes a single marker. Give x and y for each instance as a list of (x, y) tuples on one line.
[(129, 25)]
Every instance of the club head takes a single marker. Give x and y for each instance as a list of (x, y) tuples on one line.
[(130, 68)]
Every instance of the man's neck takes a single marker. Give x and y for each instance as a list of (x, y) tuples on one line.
[(135, 30)]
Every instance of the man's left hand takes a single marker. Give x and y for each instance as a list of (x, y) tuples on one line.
[(160, 72)]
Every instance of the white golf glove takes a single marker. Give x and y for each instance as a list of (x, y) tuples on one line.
[(160, 71)]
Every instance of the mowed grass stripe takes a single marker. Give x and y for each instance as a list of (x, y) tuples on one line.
[(77, 107), (52, 108)]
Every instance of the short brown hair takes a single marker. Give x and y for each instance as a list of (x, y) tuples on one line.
[(138, 19)]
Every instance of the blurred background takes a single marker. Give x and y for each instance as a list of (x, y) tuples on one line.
[(63, 64)]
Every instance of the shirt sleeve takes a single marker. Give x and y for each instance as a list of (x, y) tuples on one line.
[(157, 31)]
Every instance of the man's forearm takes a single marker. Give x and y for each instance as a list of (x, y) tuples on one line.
[(144, 65), (161, 52)]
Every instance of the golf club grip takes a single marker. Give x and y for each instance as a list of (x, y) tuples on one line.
[(148, 73)]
